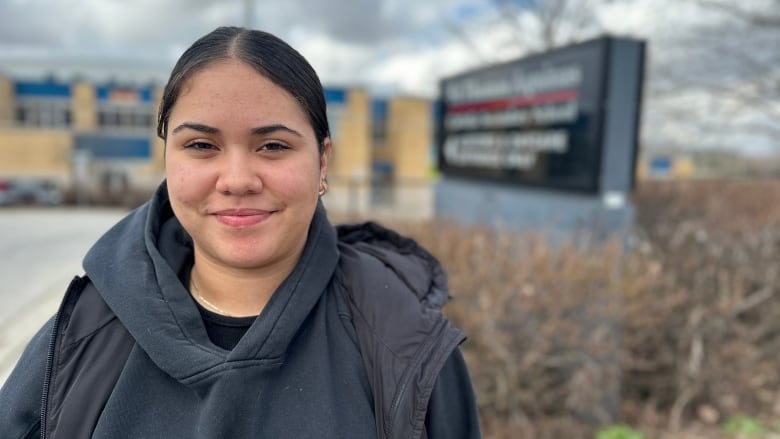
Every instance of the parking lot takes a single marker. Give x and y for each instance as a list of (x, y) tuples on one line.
[(41, 250)]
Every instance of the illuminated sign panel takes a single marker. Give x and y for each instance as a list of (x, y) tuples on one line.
[(542, 120)]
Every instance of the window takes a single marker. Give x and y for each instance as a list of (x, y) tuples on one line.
[(43, 112), (379, 122), (125, 116)]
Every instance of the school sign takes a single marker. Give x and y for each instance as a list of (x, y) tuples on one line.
[(567, 119)]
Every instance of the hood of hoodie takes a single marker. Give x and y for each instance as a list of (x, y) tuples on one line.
[(417, 268), (136, 267)]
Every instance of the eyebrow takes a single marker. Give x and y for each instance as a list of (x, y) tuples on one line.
[(273, 128), (268, 129)]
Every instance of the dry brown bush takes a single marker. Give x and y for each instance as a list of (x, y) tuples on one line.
[(683, 324), (715, 246)]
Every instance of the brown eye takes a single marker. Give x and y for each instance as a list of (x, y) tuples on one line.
[(274, 147), (200, 146)]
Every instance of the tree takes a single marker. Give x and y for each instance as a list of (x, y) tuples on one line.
[(718, 76), (712, 69), (522, 27), (551, 23)]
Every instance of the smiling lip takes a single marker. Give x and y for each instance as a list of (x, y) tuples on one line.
[(242, 217)]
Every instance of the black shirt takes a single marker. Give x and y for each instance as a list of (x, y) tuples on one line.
[(224, 331)]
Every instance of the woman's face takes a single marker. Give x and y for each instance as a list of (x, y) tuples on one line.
[(243, 168)]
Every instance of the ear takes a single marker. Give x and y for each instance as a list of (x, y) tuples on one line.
[(326, 143)]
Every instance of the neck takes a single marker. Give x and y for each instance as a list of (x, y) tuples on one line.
[(235, 292)]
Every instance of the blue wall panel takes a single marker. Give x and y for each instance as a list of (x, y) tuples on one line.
[(115, 147), (42, 89)]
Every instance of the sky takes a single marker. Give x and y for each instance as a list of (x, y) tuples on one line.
[(393, 47)]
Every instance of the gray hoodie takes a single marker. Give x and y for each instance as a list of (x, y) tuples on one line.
[(349, 346)]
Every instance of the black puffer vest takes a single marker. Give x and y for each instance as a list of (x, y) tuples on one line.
[(392, 289)]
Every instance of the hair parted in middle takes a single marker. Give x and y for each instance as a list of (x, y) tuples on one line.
[(266, 53)]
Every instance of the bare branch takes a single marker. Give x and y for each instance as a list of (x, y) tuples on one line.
[(464, 38), (737, 10)]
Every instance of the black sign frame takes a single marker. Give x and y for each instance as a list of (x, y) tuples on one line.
[(560, 82)]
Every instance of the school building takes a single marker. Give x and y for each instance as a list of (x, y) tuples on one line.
[(98, 143)]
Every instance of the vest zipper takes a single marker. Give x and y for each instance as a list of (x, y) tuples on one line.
[(446, 346), (52, 353)]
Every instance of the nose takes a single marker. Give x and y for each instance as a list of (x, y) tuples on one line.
[(239, 174)]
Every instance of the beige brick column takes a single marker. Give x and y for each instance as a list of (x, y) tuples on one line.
[(84, 107), (7, 102), (409, 137), (409, 141), (349, 169)]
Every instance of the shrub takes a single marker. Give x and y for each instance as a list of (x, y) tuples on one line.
[(683, 324), (744, 426), (619, 432)]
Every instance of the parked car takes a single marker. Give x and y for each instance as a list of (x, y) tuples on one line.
[(29, 191)]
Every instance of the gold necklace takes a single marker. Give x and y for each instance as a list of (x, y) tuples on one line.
[(202, 300)]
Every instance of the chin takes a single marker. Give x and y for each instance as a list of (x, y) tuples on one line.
[(247, 261)]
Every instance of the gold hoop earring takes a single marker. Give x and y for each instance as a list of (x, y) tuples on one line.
[(323, 187)]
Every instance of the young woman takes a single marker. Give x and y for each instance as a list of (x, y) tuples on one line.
[(227, 306)]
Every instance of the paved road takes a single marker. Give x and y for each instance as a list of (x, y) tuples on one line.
[(41, 250)]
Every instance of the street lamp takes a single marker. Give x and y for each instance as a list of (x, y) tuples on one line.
[(249, 13)]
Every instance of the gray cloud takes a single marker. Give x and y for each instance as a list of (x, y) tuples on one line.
[(359, 22), (343, 36), (151, 28), (32, 24)]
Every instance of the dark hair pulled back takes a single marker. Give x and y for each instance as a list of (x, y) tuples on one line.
[(266, 53)]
